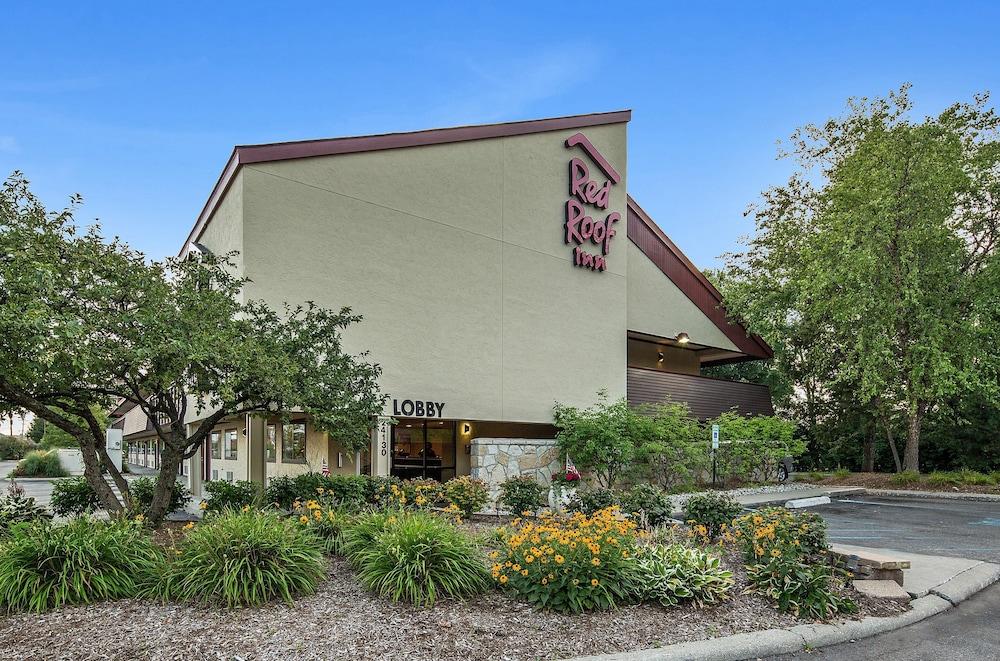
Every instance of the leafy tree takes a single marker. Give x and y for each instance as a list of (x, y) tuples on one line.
[(88, 323), (54, 437), (36, 430), (878, 258), (605, 439), (677, 448)]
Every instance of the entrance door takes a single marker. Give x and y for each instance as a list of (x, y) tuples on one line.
[(424, 449)]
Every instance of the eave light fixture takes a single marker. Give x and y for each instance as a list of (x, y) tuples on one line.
[(682, 338), (659, 356)]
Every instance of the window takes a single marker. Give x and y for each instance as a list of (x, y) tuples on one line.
[(271, 443), (293, 443), (215, 473), (216, 445), (229, 445)]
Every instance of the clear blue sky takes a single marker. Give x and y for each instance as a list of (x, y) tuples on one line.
[(137, 109)]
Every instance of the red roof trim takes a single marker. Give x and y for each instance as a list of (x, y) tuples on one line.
[(281, 151), (663, 252)]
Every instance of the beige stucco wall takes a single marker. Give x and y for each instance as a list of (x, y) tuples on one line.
[(454, 254), (135, 421), (224, 232), (656, 306)]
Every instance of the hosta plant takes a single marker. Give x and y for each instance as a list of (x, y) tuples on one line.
[(673, 574), (46, 566), (244, 559), (419, 557), (804, 590)]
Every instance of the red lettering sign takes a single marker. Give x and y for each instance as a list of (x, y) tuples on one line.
[(583, 192)]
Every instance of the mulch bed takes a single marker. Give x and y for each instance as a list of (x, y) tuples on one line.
[(884, 481), (343, 621)]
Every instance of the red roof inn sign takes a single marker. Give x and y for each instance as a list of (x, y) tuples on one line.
[(586, 193)]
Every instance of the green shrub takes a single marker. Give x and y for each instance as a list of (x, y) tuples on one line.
[(711, 510), (14, 448), (418, 558), (230, 495), (383, 494), (802, 589), (816, 476), (905, 478), (361, 533), (73, 496), (142, 489), (243, 559), (47, 566), (40, 463), (520, 494), (593, 501), (975, 478), (841, 473), (281, 492), (674, 574), (775, 532), (468, 494), (755, 446), (16, 508), (353, 491), (650, 504)]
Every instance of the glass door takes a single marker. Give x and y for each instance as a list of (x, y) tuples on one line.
[(423, 449)]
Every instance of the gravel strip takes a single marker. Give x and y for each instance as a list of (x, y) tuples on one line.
[(343, 621)]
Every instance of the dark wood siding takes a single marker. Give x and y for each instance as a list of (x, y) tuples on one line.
[(707, 397)]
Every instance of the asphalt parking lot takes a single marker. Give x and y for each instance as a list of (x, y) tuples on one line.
[(933, 526)]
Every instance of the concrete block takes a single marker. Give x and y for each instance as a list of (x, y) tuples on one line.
[(879, 589), (969, 582), (807, 502)]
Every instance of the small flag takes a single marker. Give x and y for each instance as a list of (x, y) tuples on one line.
[(326, 469), (570, 466)]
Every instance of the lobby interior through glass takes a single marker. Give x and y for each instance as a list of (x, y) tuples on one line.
[(424, 449)]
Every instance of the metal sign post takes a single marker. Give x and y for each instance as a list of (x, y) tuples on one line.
[(715, 447)]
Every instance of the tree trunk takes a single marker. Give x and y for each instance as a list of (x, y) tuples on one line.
[(892, 445), (868, 460), (92, 471), (170, 460), (911, 456)]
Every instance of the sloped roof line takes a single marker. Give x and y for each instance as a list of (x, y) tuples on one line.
[(664, 253), (281, 151)]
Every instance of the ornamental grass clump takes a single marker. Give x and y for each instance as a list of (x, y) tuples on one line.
[(570, 565), (672, 574), (325, 520), (40, 463), (244, 559), (46, 566), (419, 557)]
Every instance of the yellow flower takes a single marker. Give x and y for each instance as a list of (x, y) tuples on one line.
[(775, 553), (559, 559), (595, 561), (303, 519), (318, 514), (524, 572), (545, 581), (246, 508), (529, 558), (140, 518), (594, 582), (320, 490), (203, 505), (189, 525), (493, 555), (525, 513), (504, 579), (624, 554)]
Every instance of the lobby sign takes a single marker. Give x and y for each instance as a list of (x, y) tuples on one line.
[(417, 408), (587, 195)]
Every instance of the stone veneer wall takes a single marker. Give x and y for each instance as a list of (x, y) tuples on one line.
[(494, 460)]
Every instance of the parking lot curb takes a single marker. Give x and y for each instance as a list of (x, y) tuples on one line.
[(772, 642), (944, 495)]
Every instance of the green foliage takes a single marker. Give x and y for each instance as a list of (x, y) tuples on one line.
[(16, 508), (230, 495), (36, 430), (605, 439), (961, 478), (572, 564), (674, 574), (329, 523), (712, 510), (73, 496), (352, 491), (905, 478), (591, 501), (39, 463), (652, 506), (521, 494), (802, 589), (383, 494), (755, 445), (677, 450), (142, 488), (775, 532), (243, 559), (13, 448), (468, 494), (363, 531), (53, 437), (47, 566), (418, 558), (875, 268), (841, 473)]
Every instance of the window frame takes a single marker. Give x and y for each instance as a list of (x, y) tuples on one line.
[(235, 446), (285, 458), (215, 444), (271, 443)]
